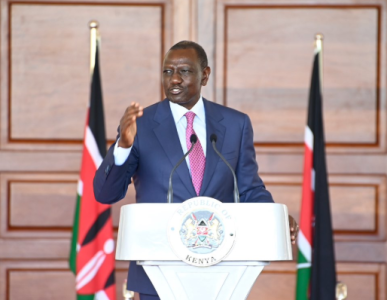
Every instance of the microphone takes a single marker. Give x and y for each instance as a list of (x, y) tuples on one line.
[(213, 139), (193, 139)]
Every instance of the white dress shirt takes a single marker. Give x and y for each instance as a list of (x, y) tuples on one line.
[(178, 112)]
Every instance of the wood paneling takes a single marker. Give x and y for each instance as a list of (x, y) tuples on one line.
[(37, 204), (267, 68), (357, 202), (26, 200), (276, 282), (30, 201), (362, 280), (49, 58), (48, 284), (261, 55), (355, 208), (44, 280), (40, 284)]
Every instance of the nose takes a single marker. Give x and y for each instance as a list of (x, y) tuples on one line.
[(176, 78)]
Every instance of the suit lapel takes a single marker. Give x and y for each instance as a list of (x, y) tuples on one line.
[(167, 128), (213, 126)]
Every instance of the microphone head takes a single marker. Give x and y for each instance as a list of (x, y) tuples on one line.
[(193, 139), (213, 138)]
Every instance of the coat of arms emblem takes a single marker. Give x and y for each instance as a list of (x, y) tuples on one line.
[(202, 232)]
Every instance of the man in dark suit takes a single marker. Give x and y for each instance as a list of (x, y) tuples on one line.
[(152, 140)]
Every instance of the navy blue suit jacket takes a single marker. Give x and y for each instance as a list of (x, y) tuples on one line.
[(157, 149)]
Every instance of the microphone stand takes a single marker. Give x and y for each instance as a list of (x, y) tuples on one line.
[(213, 139)]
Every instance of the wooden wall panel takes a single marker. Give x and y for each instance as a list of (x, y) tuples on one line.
[(50, 60), (42, 279), (41, 284), (268, 53), (43, 203), (37, 204), (278, 281), (354, 208), (357, 203), (284, 287), (48, 284), (29, 203)]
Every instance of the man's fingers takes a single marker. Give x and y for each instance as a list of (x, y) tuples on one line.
[(130, 116), (294, 229)]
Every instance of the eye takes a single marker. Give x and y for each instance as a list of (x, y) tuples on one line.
[(185, 71), (167, 72)]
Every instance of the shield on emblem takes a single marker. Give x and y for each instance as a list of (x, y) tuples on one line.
[(202, 230)]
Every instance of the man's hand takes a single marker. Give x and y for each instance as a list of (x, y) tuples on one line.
[(128, 126), (294, 228)]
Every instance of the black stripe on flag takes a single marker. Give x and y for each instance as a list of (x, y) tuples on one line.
[(96, 116), (97, 226), (110, 281), (323, 281)]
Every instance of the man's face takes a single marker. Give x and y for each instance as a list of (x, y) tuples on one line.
[(183, 77)]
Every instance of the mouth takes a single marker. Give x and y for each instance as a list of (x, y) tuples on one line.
[(175, 90)]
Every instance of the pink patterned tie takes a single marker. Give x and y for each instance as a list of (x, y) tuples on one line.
[(197, 160)]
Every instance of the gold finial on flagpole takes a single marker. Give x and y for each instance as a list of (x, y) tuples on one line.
[(318, 41), (341, 291), (93, 43), (318, 46), (128, 295)]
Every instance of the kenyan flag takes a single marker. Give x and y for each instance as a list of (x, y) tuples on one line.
[(316, 273), (92, 247)]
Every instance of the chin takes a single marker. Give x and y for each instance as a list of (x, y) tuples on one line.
[(178, 101), (186, 103)]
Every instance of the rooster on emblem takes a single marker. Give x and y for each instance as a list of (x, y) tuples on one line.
[(206, 233)]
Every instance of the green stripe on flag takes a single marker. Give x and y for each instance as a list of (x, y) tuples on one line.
[(74, 241), (303, 280), (85, 297)]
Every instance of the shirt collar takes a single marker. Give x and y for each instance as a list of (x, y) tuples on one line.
[(179, 111)]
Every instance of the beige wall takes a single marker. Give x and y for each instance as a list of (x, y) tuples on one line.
[(261, 56)]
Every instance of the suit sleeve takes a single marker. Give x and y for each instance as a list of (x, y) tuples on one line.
[(251, 186), (111, 181)]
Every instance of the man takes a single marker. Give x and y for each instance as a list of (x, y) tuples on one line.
[(152, 140)]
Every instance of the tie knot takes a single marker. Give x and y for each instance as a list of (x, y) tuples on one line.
[(190, 117)]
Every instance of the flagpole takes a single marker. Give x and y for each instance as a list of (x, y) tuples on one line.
[(319, 49), (94, 35)]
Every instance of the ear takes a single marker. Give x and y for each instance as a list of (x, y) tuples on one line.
[(205, 75)]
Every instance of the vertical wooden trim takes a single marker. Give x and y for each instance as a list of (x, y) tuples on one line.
[(225, 43)]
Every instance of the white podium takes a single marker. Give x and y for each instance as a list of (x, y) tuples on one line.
[(202, 248)]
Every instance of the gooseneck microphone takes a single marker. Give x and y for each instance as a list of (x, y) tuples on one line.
[(193, 139), (213, 139)]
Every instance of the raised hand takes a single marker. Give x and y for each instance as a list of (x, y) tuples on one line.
[(128, 126)]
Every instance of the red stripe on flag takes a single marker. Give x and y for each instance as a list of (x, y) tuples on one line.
[(90, 209), (306, 218), (100, 243)]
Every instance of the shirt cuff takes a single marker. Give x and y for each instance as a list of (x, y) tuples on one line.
[(120, 154)]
